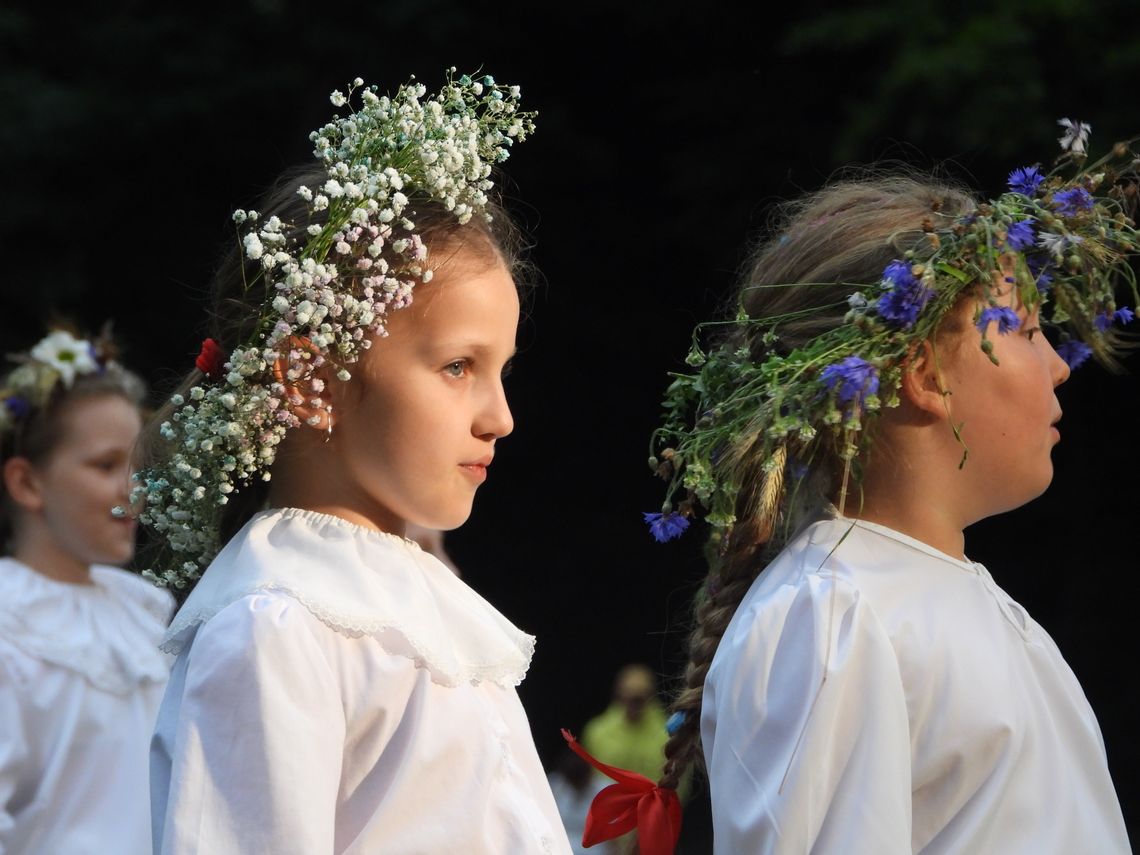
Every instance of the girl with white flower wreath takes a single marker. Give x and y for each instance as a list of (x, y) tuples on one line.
[(337, 688), (81, 676), (886, 376)]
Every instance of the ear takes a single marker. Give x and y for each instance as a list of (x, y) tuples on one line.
[(922, 385), (308, 390), (22, 482)]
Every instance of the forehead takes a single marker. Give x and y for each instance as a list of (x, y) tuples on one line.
[(100, 421), (471, 296)]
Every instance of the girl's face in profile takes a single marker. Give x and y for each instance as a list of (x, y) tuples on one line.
[(419, 434), (86, 475), (1008, 411)]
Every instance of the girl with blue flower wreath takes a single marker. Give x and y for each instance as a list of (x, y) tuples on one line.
[(81, 675), (338, 689), (856, 683)]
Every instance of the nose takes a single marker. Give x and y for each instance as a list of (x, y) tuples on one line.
[(494, 417), (1058, 368)]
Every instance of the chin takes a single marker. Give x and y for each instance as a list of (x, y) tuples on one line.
[(115, 557), (448, 520)]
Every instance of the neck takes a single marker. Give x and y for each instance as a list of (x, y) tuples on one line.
[(44, 556), (306, 477), (925, 501)]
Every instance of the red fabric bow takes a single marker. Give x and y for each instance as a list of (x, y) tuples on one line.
[(211, 359), (633, 802)]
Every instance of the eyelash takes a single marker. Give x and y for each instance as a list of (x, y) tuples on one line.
[(465, 364), (1029, 332)]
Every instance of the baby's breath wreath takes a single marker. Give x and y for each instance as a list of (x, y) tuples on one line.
[(1067, 241), (330, 285)]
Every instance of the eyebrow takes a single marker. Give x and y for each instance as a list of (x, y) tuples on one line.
[(474, 347)]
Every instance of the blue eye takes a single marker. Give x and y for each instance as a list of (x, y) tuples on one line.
[(457, 368)]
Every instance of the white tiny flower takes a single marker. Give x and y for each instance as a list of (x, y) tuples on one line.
[(313, 230), (253, 247), (337, 98), (305, 193)]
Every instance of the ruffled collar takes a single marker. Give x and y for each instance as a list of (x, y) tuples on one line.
[(362, 582), (108, 631)]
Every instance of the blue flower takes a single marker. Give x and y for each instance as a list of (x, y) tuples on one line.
[(905, 297), (852, 379), (665, 527), (1020, 236), (1005, 317), (1074, 353), (17, 406), (1069, 202), (1025, 180), (1104, 320), (898, 274), (1041, 270)]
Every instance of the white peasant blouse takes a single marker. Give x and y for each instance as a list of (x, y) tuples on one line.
[(81, 678), (339, 690), (874, 695)]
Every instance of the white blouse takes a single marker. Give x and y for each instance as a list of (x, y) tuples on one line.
[(874, 695), (338, 690), (81, 678)]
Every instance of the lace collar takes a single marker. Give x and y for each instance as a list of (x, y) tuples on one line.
[(362, 582), (107, 631)]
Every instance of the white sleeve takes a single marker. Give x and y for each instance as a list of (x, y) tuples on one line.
[(255, 734), (796, 766), (13, 749)]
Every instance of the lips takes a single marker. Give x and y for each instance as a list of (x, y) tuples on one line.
[(477, 469)]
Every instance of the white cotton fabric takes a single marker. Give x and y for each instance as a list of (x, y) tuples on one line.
[(81, 679), (948, 721), (339, 690)]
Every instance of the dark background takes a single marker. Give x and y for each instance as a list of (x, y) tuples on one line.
[(665, 132)]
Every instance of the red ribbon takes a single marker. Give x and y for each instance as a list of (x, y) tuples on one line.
[(633, 802), (211, 359)]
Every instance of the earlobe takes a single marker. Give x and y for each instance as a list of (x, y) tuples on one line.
[(22, 483)]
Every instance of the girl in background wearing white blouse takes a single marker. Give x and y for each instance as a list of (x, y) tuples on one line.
[(81, 675), (337, 688), (856, 683)]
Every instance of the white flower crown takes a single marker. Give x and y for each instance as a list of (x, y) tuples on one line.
[(329, 289)]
